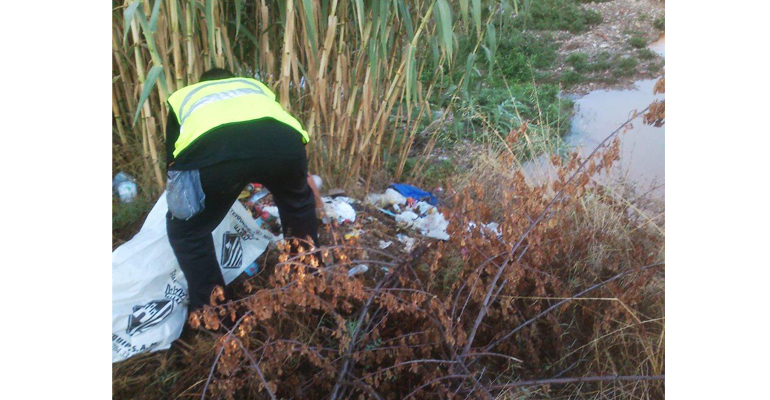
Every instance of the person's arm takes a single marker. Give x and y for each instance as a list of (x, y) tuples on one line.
[(172, 134), (319, 204)]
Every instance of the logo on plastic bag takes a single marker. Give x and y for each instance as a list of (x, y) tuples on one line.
[(232, 251), (148, 315)]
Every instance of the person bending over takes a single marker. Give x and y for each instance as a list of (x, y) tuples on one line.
[(223, 133)]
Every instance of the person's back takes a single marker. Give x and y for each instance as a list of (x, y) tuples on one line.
[(223, 133)]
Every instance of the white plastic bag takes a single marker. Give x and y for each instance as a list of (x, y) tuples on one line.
[(149, 291), (338, 209)]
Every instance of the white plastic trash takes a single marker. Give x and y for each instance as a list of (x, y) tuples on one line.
[(149, 290), (406, 241), (127, 191), (433, 225), (407, 217), (124, 186), (338, 209), (273, 211), (358, 269), (394, 197)]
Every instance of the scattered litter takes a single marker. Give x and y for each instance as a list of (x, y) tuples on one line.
[(494, 227), (338, 209), (355, 233), (414, 193), (412, 212), (433, 225), (391, 213), (358, 269), (258, 195), (407, 241), (407, 217), (124, 186), (272, 211), (384, 244), (389, 198), (149, 290), (252, 269), (425, 208)]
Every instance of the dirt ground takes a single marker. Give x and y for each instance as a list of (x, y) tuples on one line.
[(621, 20)]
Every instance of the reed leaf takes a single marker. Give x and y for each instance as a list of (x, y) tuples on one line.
[(491, 43), (407, 18), (464, 12), (444, 21), (238, 12), (149, 83), (154, 16), (128, 16), (210, 27), (311, 30), (476, 11), (468, 69)]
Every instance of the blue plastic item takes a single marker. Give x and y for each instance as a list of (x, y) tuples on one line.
[(413, 192), (252, 269)]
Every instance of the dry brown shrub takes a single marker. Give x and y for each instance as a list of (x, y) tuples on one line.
[(404, 330)]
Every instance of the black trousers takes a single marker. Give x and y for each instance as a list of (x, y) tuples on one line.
[(193, 245)]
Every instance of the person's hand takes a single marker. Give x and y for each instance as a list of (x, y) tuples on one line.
[(320, 213)]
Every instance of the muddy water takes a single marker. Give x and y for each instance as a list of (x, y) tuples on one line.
[(659, 46), (642, 156)]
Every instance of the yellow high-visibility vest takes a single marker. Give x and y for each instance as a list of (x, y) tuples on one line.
[(201, 107)]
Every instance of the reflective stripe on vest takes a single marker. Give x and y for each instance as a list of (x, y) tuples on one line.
[(204, 106)]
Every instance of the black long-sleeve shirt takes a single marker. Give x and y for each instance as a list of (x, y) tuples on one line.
[(264, 137)]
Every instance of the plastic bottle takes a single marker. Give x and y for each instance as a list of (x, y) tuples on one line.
[(358, 269), (124, 186), (127, 191)]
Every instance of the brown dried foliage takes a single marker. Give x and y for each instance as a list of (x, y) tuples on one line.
[(403, 329), (656, 116)]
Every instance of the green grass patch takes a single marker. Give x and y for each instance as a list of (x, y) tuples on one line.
[(558, 15), (637, 42), (601, 62), (126, 214), (645, 54), (571, 78), (626, 66), (434, 173), (520, 54), (655, 67), (659, 23), (583, 63), (578, 61), (585, 67)]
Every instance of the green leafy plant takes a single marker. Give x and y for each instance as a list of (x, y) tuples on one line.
[(637, 42), (659, 23)]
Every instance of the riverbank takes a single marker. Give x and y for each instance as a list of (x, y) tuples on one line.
[(613, 54), (617, 47)]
